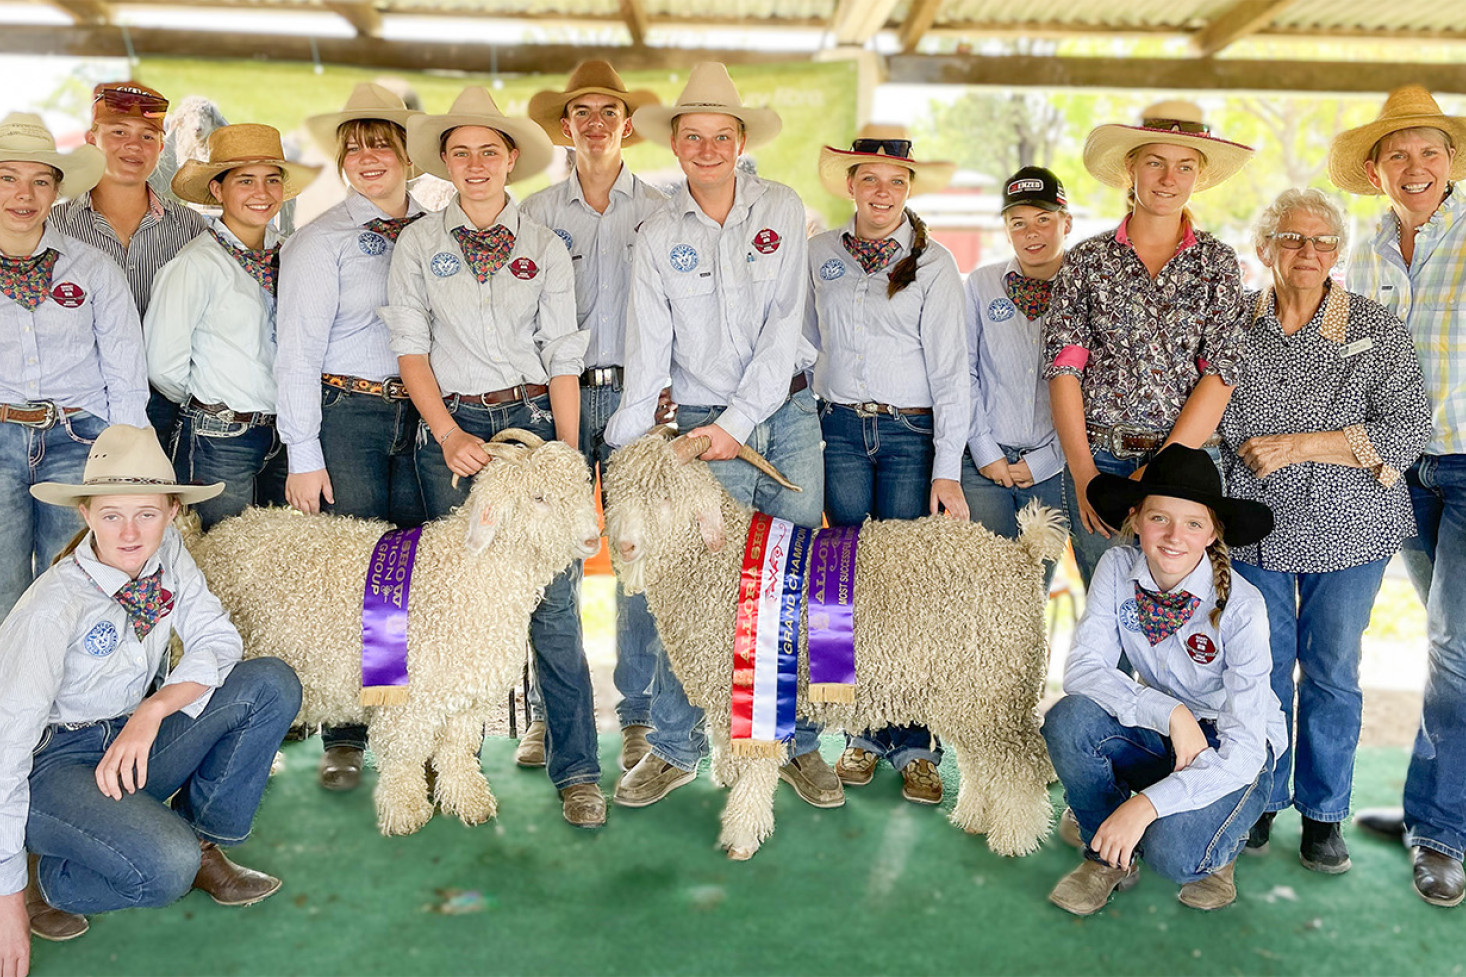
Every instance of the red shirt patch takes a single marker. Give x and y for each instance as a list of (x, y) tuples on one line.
[(1202, 649), (68, 295), (766, 241), (523, 268)]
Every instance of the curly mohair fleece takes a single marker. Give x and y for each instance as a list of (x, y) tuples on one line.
[(949, 632), (293, 586)]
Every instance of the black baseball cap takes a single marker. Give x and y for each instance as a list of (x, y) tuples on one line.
[(1035, 187)]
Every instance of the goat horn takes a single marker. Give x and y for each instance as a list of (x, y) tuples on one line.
[(687, 448), (762, 464), (526, 438)]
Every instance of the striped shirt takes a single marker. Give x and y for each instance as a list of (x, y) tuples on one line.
[(1228, 680), (165, 229), (1428, 294)]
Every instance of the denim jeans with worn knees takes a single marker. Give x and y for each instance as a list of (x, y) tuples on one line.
[(247, 458)]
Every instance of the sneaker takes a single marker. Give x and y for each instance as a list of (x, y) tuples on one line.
[(1085, 890), (634, 746), (1322, 848), (651, 780), (1259, 834), (921, 782), (340, 768), (531, 749), (584, 805), (813, 780), (856, 766), (1069, 829), (1215, 891)]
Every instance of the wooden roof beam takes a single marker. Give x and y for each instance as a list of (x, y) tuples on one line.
[(1236, 22), (919, 20), (634, 13), (855, 22), (85, 12), (360, 14)]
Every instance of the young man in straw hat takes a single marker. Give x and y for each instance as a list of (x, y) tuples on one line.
[(719, 284), (71, 357), (596, 212), (122, 216), (144, 767), (210, 327), (1413, 266)]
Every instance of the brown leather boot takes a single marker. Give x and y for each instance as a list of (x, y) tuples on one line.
[(229, 884), (341, 768), (48, 922)]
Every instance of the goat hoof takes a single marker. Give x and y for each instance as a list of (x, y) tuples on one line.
[(740, 854)]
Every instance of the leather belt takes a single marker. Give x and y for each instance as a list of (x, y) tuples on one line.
[(391, 388), (797, 384), (602, 376), (871, 408), (1132, 440), (495, 397), (44, 414), (223, 412)]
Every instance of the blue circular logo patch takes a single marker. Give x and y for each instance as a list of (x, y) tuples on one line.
[(371, 243), (564, 235), (683, 257), (101, 640), (832, 269), (1130, 615), (445, 264), (1001, 310)]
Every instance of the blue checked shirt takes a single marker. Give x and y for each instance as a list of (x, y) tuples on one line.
[(1429, 295), (1233, 690)]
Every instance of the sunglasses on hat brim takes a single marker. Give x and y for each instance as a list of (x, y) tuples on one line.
[(131, 102), (1177, 125), (883, 147)]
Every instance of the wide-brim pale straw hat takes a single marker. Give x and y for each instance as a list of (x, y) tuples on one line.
[(709, 89), (1172, 123), (875, 144), (230, 147), (589, 78), (474, 106), (24, 138), (125, 460), (1405, 108), (368, 101)]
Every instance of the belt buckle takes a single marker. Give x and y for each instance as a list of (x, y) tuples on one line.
[(1119, 432), (871, 408), (48, 420), (389, 384), (226, 415)]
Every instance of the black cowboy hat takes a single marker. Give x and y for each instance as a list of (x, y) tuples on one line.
[(1181, 473)]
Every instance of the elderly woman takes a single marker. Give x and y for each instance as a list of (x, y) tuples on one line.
[(1328, 412)]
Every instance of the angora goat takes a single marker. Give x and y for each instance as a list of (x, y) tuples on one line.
[(949, 632), (293, 585)]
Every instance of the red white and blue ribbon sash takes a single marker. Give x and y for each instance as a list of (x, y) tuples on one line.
[(832, 615), (766, 640), (384, 619)]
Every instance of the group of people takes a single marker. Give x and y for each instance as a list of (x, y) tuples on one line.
[(155, 357)]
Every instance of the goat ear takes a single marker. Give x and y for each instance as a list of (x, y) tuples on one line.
[(483, 523), (710, 525)]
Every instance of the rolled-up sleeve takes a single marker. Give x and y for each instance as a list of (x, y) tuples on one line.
[(211, 643), (1067, 334), (561, 344), (408, 313), (1224, 333)]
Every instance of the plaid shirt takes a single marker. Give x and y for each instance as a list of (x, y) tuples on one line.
[(1428, 294)]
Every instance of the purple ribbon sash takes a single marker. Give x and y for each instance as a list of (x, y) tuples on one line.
[(832, 615), (384, 618)]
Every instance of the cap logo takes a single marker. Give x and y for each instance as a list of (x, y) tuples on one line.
[(1028, 183)]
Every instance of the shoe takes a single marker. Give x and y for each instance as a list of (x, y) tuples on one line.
[(651, 780), (921, 783), (584, 805), (531, 749), (229, 884), (634, 746), (277, 765), (1260, 834), (1438, 878), (1069, 829), (1215, 891), (1323, 849), (856, 766), (1085, 890), (813, 780), (1387, 821), (48, 922), (341, 767)]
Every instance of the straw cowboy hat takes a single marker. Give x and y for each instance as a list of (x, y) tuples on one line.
[(125, 460), (1406, 108), (1180, 472), (234, 146), (881, 144), (1172, 123), (368, 101), (474, 106), (24, 138), (588, 78), (709, 89)]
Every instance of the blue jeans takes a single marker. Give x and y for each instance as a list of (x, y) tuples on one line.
[(554, 627), (1315, 621), (163, 416), (880, 467), (997, 507), (31, 531), (98, 854), (1435, 787), (790, 440), (247, 458), (1102, 762)]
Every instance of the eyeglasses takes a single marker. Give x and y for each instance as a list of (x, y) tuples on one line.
[(888, 147), (130, 100), (1294, 242), (1177, 125)]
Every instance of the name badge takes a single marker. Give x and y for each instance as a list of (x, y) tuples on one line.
[(1357, 347)]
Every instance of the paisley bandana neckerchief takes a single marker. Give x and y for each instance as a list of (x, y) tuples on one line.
[(390, 227), (262, 265), (145, 601), (1161, 615), (27, 281), (487, 250), (1031, 295), (872, 255)]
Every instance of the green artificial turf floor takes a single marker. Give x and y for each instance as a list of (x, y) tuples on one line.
[(877, 887)]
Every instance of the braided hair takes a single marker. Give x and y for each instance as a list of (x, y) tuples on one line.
[(905, 271)]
